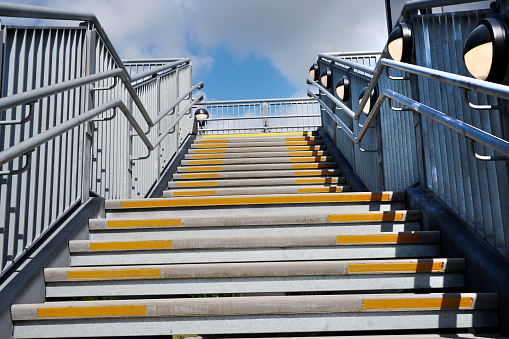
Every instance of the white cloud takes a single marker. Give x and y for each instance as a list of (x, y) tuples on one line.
[(289, 33)]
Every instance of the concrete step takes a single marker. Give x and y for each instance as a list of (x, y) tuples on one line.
[(346, 198), (265, 277), (242, 315), (258, 174), (255, 225), (246, 161), (284, 154), (257, 149), (254, 248), (325, 180), (252, 143), (256, 191), (258, 135), (257, 167), (200, 140)]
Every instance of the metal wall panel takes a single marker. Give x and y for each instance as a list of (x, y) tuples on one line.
[(30, 203), (476, 190)]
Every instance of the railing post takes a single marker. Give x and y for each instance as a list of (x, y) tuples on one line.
[(158, 105), (87, 135), (265, 113)]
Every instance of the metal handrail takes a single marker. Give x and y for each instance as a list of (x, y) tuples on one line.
[(253, 101), (37, 12), (287, 116)]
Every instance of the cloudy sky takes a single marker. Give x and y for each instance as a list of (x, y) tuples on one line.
[(240, 49)]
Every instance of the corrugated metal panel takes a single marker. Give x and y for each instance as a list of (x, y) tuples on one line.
[(476, 190), (33, 201)]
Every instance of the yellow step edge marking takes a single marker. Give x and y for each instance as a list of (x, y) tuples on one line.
[(207, 156), (396, 267), (115, 274), (378, 238), (130, 245), (303, 148), (196, 184), (200, 176), (317, 181), (316, 172), (311, 166), (397, 304), (361, 197), (215, 141), (320, 190), (298, 154), (383, 216), (215, 150), (191, 193), (212, 145), (199, 169), (254, 135), (143, 223), (299, 143), (307, 159), (206, 162), (97, 311)]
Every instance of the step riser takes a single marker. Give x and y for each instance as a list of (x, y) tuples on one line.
[(261, 324), (253, 255), (257, 182), (257, 190), (335, 208), (255, 285), (285, 154), (202, 232)]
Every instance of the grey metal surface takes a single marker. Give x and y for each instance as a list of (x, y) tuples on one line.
[(280, 115)]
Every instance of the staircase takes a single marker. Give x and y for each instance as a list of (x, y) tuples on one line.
[(266, 222)]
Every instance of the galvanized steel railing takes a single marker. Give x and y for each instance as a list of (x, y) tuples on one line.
[(61, 89), (429, 130), (259, 116)]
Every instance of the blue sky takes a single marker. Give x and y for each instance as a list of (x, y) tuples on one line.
[(240, 49)]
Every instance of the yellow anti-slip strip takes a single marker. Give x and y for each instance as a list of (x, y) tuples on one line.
[(254, 135), (215, 141), (206, 162), (316, 172), (130, 245), (196, 184), (115, 274), (299, 138), (199, 169), (192, 193), (215, 150), (303, 148), (320, 190), (307, 159), (361, 197), (426, 303), (396, 267), (298, 143), (378, 238), (99, 311), (383, 216), (207, 156), (143, 223)]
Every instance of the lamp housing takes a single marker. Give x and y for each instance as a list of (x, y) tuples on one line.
[(486, 51), (201, 114), (371, 100), (326, 78), (343, 88), (314, 72), (400, 44)]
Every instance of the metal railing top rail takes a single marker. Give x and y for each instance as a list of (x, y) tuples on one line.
[(150, 61), (24, 98), (37, 12), (408, 7), (475, 134), (155, 70), (352, 54), (253, 101)]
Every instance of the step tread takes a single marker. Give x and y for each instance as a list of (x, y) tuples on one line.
[(256, 167), (257, 182), (259, 190), (256, 155)]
